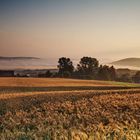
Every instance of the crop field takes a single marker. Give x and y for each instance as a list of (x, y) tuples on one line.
[(49, 82), (99, 111), (18, 85), (53, 82)]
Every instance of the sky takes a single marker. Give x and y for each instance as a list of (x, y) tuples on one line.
[(106, 29)]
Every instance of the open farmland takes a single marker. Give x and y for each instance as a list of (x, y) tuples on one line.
[(18, 85), (53, 82), (94, 113), (49, 82)]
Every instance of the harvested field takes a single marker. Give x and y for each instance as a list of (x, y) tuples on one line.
[(20, 85), (55, 82), (111, 114)]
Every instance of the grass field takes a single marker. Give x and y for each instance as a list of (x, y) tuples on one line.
[(67, 109)]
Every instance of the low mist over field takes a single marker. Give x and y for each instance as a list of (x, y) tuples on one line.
[(11, 63), (131, 63), (128, 62)]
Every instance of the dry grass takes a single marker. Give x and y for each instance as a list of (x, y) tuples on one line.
[(85, 115), (4, 96), (49, 82), (68, 115)]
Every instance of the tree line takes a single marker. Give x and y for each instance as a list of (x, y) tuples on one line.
[(89, 68)]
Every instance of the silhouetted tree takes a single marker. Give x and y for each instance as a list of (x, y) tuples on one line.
[(104, 73), (113, 74), (65, 67), (48, 73), (136, 77), (125, 78), (88, 68), (87, 65)]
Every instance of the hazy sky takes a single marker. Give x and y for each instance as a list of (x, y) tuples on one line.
[(74, 28)]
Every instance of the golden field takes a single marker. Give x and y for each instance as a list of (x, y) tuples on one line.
[(53, 82), (47, 82), (75, 114)]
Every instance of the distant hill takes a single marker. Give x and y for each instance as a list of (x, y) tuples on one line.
[(17, 58), (132, 62)]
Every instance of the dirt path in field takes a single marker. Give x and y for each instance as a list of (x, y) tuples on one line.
[(4, 96)]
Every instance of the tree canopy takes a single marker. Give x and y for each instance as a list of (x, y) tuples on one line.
[(65, 66), (87, 65), (136, 77)]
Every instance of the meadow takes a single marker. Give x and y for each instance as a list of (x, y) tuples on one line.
[(68, 109)]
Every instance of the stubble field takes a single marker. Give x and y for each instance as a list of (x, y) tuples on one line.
[(66, 109)]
